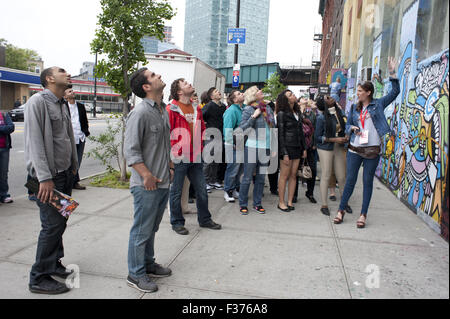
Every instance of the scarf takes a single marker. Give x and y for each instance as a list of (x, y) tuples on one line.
[(268, 117)]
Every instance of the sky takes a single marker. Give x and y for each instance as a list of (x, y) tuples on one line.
[(61, 30)]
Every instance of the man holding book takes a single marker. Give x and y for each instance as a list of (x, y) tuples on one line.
[(51, 158)]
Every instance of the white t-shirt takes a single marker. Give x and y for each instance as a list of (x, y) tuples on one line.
[(78, 134)]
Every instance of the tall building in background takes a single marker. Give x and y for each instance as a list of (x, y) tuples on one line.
[(153, 45), (207, 23)]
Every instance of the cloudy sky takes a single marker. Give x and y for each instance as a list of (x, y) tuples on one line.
[(61, 30)]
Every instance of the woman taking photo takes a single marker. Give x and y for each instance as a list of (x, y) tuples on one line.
[(259, 118), (330, 140), (291, 143), (366, 126)]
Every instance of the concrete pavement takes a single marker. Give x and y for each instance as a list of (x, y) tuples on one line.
[(294, 255)]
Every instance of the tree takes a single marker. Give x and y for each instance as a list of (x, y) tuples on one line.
[(273, 86), (121, 26), (18, 58)]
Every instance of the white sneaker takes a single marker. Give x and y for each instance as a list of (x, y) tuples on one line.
[(209, 188), (236, 194), (228, 198), (217, 186), (7, 200)]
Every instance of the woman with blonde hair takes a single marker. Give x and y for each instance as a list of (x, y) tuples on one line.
[(257, 117)]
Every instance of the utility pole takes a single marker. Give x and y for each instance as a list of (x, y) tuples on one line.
[(94, 111), (236, 46)]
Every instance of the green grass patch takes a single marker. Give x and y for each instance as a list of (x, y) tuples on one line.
[(111, 180)]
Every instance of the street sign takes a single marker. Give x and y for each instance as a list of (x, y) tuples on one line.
[(236, 74), (236, 35), (235, 81)]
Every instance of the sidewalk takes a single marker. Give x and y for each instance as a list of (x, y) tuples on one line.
[(301, 254)]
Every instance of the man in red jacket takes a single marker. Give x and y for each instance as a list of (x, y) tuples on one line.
[(187, 127)]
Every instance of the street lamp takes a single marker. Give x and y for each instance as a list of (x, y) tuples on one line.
[(236, 47), (94, 112)]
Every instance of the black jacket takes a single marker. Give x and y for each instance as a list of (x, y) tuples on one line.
[(82, 115), (213, 115), (290, 132)]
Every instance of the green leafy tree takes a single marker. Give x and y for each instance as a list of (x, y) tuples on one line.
[(121, 27), (273, 87), (18, 58)]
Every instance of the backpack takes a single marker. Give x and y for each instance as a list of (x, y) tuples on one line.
[(308, 132)]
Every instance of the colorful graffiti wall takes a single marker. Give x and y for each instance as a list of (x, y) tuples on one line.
[(415, 161)]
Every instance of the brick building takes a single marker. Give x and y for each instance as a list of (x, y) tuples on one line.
[(332, 12)]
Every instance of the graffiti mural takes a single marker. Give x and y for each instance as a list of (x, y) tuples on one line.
[(415, 164)]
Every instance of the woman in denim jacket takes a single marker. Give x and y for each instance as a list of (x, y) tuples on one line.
[(366, 126), (330, 140), (257, 121)]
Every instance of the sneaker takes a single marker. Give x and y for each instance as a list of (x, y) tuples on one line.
[(143, 284), (229, 197), (243, 210), (209, 188), (236, 194), (48, 286), (7, 200), (259, 209), (32, 198), (211, 225), (157, 271), (217, 186)]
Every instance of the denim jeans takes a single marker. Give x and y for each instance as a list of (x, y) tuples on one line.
[(233, 174), (194, 172), (354, 162), (50, 247), (249, 170), (149, 207), (4, 166)]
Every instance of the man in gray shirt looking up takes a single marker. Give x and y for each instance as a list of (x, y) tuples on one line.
[(147, 152), (51, 158)]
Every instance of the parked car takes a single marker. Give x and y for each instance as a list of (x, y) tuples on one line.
[(17, 113), (89, 107)]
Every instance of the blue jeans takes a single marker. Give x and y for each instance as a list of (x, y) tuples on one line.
[(194, 172), (249, 170), (233, 174), (4, 166), (354, 162), (149, 209)]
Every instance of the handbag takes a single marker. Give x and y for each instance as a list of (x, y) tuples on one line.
[(368, 152), (305, 171)]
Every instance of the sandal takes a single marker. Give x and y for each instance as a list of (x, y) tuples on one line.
[(360, 223), (339, 220)]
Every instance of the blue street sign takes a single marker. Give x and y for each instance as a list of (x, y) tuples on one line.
[(235, 81), (236, 35)]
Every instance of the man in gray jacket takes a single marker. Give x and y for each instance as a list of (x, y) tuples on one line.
[(147, 151), (51, 158)]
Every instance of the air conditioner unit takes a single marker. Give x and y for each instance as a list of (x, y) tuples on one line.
[(328, 37), (338, 52), (366, 74)]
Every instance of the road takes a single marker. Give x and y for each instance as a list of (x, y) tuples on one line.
[(17, 167)]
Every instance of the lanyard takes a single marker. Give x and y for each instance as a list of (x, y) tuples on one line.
[(363, 119)]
